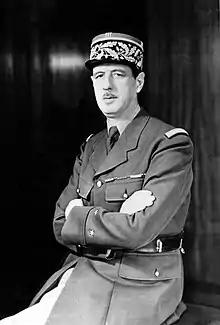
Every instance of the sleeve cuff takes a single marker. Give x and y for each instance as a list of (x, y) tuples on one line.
[(73, 231)]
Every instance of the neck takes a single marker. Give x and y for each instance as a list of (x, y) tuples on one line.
[(122, 121)]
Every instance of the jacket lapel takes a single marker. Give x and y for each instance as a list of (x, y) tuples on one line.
[(119, 154), (99, 151)]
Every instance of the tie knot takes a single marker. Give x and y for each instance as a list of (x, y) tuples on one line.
[(113, 136), (113, 131)]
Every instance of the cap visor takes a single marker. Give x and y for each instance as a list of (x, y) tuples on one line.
[(90, 64)]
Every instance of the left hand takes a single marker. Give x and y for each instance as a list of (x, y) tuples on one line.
[(72, 204), (138, 201)]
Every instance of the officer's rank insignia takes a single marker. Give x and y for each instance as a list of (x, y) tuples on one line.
[(176, 131), (89, 137)]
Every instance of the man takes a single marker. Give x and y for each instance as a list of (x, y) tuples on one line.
[(122, 214)]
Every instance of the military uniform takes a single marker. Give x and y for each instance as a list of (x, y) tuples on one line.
[(125, 265), (120, 279)]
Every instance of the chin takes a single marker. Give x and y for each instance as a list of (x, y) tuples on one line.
[(109, 110)]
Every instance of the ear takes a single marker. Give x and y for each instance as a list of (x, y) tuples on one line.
[(140, 81), (93, 80)]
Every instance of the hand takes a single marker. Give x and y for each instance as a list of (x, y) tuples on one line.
[(138, 201), (72, 204)]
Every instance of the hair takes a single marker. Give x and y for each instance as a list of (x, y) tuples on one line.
[(135, 71)]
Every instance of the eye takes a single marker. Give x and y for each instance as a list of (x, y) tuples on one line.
[(98, 75), (118, 74)]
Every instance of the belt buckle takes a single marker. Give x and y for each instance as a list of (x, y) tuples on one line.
[(79, 250), (159, 246), (181, 246), (110, 255)]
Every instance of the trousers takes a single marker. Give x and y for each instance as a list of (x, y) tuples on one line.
[(38, 313)]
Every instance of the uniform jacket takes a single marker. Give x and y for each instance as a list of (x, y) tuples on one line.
[(137, 288)]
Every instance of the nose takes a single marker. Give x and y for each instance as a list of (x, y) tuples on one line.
[(107, 82)]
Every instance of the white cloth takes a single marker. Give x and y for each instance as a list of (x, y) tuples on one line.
[(38, 313)]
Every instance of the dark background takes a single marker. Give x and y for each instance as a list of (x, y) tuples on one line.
[(48, 109)]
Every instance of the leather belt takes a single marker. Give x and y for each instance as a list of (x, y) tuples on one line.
[(161, 244)]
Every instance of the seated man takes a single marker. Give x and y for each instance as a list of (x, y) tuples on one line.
[(123, 211)]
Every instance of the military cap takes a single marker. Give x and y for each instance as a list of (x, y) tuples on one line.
[(116, 48)]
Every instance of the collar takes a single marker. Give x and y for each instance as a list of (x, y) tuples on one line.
[(128, 141)]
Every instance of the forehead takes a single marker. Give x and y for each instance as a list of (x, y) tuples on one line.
[(111, 67)]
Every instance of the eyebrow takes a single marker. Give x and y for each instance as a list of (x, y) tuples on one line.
[(114, 70)]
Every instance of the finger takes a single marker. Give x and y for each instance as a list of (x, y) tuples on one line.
[(153, 198), (148, 192)]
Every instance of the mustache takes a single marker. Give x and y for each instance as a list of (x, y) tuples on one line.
[(109, 95)]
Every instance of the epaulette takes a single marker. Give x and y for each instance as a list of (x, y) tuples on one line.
[(89, 137), (176, 131)]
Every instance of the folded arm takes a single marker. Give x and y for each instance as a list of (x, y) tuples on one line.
[(168, 178)]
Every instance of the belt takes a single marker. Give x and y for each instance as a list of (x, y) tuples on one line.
[(160, 245)]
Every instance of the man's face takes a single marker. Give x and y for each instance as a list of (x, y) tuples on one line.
[(115, 89)]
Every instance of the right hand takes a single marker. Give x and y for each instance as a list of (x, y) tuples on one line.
[(72, 204)]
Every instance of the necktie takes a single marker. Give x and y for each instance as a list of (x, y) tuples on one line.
[(112, 137)]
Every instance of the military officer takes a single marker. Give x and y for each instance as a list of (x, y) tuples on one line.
[(123, 211)]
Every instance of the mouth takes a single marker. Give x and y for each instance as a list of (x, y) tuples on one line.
[(109, 97)]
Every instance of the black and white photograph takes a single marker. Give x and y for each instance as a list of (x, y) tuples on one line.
[(110, 162)]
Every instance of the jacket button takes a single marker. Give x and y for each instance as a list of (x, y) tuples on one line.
[(91, 232), (156, 273), (125, 195), (99, 184)]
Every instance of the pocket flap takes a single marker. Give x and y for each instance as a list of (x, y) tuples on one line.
[(151, 266), (121, 190)]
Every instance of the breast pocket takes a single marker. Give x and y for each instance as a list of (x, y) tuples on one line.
[(119, 191)]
